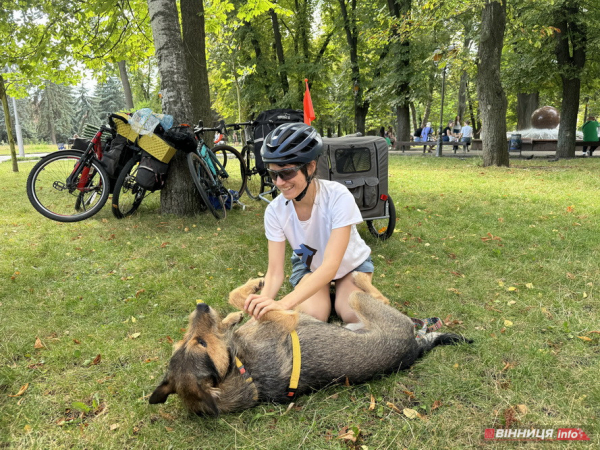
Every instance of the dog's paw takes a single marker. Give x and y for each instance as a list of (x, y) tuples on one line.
[(232, 319), (238, 296)]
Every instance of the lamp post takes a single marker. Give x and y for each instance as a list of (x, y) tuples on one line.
[(437, 57)]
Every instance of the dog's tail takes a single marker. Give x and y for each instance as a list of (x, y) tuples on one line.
[(430, 340)]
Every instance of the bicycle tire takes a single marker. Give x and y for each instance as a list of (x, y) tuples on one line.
[(378, 228), (203, 180), (254, 181), (127, 194), (49, 194), (233, 163)]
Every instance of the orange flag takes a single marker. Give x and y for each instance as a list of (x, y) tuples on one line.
[(309, 112)]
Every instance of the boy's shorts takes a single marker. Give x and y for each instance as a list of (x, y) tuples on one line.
[(299, 269)]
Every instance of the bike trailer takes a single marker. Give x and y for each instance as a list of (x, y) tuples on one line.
[(266, 122), (360, 164)]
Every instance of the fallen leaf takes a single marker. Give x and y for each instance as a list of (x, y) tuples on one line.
[(436, 405), (21, 391), (584, 338), (393, 407), (114, 426), (133, 319), (96, 360), (372, 404), (508, 323), (141, 291), (570, 208), (38, 343), (169, 429), (409, 394), (529, 285), (27, 428), (596, 332), (347, 435), (512, 288), (522, 409), (164, 244), (135, 335), (76, 341), (585, 295), (512, 302), (411, 413), (570, 276)]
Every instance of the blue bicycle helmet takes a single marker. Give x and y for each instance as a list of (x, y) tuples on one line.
[(292, 143)]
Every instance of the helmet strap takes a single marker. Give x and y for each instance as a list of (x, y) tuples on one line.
[(302, 194)]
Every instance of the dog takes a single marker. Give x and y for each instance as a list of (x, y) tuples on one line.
[(220, 368)]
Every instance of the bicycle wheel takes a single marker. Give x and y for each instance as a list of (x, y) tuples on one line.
[(56, 197), (205, 183), (127, 194), (235, 177), (383, 228), (254, 182)]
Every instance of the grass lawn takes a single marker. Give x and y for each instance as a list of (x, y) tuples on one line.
[(28, 149), (507, 257)]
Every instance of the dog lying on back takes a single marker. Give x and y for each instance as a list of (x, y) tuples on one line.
[(217, 368)]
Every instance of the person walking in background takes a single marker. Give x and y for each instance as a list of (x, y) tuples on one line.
[(590, 134), (466, 133)]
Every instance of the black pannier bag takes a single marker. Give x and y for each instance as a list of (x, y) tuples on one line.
[(115, 158), (151, 173), (80, 144), (266, 122)]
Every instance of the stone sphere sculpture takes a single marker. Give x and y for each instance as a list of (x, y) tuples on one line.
[(545, 117)]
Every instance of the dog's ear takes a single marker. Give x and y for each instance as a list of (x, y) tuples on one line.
[(161, 393)]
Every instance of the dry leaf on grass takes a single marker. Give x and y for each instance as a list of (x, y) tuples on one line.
[(97, 360), (372, 404), (411, 413), (393, 407), (38, 343), (349, 434), (21, 391)]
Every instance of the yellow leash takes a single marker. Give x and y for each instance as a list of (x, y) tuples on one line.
[(296, 364)]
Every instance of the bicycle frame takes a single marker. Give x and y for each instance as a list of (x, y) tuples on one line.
[(94, 150)]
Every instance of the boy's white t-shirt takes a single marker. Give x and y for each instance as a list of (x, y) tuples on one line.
[(334, 207)]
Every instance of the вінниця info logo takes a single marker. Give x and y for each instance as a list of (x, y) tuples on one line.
[(535, 434)]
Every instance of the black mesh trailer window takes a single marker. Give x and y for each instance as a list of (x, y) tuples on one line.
[(353, 160)]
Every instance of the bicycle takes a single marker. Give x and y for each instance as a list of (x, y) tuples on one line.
[(258, 182), (127, 193), (71, 185), (218, 174)]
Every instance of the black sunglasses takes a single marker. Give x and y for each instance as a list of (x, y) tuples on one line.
[(285, 174)]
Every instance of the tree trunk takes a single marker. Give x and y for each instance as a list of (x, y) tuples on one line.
[(398, 9), (413, 115), (526, 105), (462, 94), (565, 146), (8, 123), (361, 106), (194, 51), (426, 112), (571, 46), (126, 85), (279, 52), (492, 100), (179, 195)]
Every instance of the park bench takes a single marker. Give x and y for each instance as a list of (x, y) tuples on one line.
[(535, 145), (404, 145)]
